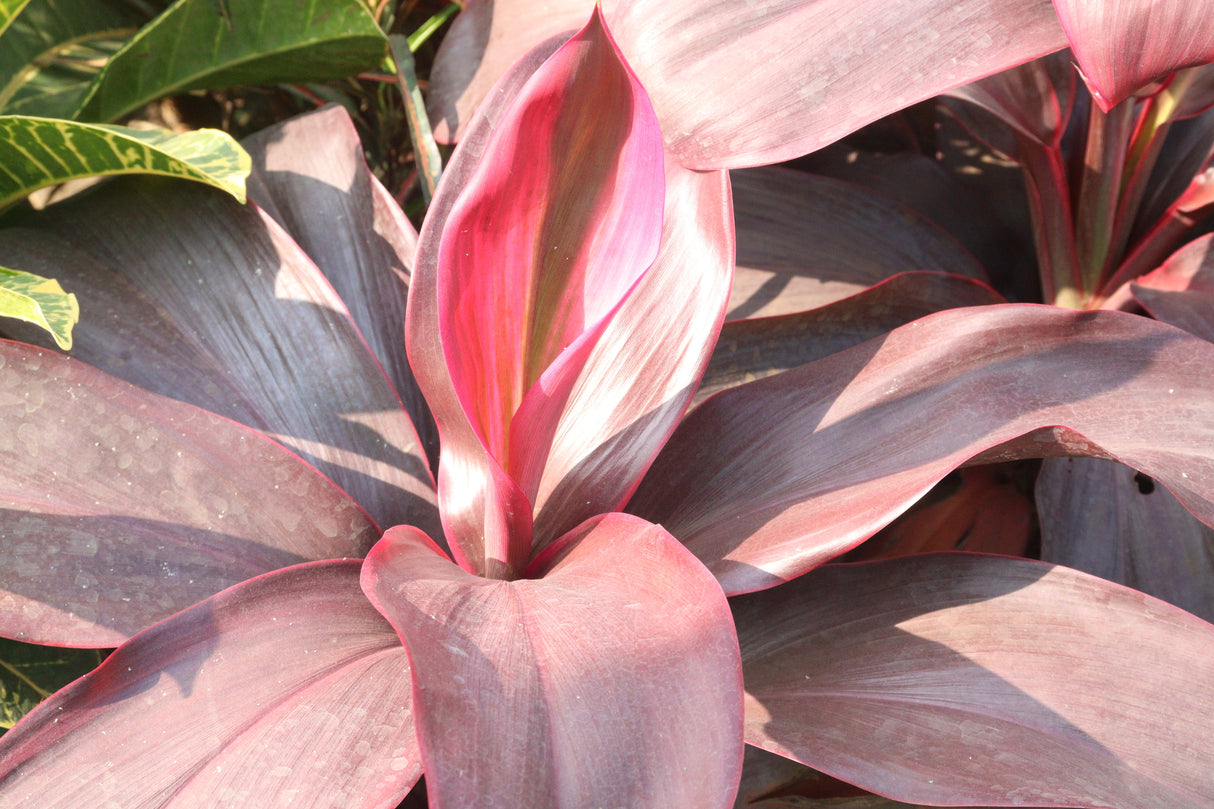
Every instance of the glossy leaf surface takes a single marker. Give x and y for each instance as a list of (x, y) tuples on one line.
[(40, 301), (54, 49), (959, 679), (1124, 45), (613, 679), (286, 689), (120, 507), (37, 152), (246, 42), (770, 479), (195, 297), (805, 241)]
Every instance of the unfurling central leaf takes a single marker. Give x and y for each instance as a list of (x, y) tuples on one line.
[(547, 240)]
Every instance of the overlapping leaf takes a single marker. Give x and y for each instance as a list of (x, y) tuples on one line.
[(533, 422), (961, 679), (1181, 292), (120, 507), (1124, 45), (195, 297), (199, 44), (38, 152), (286, 689), (805, 241), (54, 49), (768, 480), (40, 301), (519, 691)]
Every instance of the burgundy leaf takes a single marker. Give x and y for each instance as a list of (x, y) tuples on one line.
[(958, 679), (744, 84), (1181, 292), (1034, 99), (198, 298), (1103, 518), (309, 173), (1124, 45), (120, 507), (754, 348), (805, 241), (770, 479), (287, 689), (611, 680)]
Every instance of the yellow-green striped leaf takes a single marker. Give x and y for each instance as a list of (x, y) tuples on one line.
[(204, 44), (38, 152), (40, 301)]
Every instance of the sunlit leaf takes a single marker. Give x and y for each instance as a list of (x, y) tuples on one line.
[(1124, 45), (609, 679), (289, 688), (959, 679), (39, 152), (770, 479), (250, 42), (8, 10), (40, 301)]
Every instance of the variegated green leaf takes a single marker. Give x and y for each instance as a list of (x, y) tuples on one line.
[(37, 152), (41, 301), (54, 50), (204, 44)]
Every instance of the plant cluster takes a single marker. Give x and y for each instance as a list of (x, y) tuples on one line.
[(587, 535)]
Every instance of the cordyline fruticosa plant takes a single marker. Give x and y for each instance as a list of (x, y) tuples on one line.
[(1118, 179), (549, 626)]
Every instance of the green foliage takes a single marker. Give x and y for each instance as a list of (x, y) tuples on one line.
[(29, 673), (40, 301), (198, 44), (38, 152)]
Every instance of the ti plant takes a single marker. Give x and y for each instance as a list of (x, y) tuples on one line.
[(606, 593)]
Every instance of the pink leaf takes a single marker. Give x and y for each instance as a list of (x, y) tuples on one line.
[(287, 689), (121, 507), (1181, 292), (1124, 45), (611, 680), (569, 224), (960, 679), (744, 84), (768, 480)]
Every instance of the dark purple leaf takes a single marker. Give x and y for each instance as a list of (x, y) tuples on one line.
[(953, 679), (751, 349), (287, 689), (611, 680), (805, 241), (310, 175), (120, 507), (1108, 520), (770, 479), (195, 297)]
